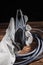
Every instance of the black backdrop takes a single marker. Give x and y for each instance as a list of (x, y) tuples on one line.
[(34, 10)]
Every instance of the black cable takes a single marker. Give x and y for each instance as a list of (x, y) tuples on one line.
[(28, 58)]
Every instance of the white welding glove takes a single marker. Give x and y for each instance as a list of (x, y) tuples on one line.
[(29, 37)]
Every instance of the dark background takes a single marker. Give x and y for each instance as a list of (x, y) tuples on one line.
[(33, 9)]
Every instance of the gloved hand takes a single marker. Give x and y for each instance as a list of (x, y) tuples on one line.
[(29, 37)]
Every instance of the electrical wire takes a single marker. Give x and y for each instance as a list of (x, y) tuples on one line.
[(29, 57)]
